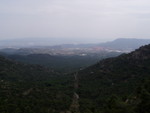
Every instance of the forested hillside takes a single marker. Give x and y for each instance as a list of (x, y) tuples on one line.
[(61, 63), (114, 85), (33, 89), (117, 85)]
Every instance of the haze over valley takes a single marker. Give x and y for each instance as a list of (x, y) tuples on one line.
[(74, 56), (68, 57)]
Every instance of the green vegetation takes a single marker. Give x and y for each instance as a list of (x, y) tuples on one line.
[(113, 85), (61, 63), (33, 89), (110, 86)]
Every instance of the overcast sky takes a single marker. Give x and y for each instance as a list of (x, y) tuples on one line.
[(90, 20)]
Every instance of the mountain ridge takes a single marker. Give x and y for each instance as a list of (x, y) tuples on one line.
[(128, 44), (120, 76)]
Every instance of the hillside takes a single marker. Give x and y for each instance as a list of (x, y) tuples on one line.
[(33, 89), (125, 44), (61, 63), (115, 85), (38, 46)]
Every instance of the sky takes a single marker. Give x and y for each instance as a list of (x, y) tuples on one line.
[(75, 20)]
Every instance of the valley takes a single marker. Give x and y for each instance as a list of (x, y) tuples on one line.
[(101, 82), (74, 56)]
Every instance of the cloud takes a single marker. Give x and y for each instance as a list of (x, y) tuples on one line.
[(75, 18)]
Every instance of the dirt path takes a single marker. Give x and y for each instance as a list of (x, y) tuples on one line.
[(76, 84), (74, 107)]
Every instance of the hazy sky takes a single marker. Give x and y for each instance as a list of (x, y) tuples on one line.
[(90, 20)]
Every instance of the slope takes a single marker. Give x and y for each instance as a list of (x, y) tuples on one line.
[(118, 76), (33, 89), (68, 63), (125, 44)]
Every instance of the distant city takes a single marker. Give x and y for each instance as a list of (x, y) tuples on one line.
[(24, 47)]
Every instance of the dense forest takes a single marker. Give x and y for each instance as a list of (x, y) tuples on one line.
[(113, 85), (117, 85), (61, 63), (33, 89)]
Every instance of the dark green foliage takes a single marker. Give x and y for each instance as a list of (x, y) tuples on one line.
[(114, 85), (118, 76), (144, 98), (61, 63), (33, 89)]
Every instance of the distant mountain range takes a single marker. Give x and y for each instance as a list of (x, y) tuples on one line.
[(35, 42), (122, 44), (125, 44)]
